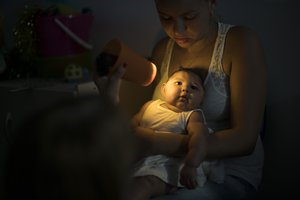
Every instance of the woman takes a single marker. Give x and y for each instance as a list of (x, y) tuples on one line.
[(230, 57)]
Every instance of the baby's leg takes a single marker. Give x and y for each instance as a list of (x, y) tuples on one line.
[(144, 187)]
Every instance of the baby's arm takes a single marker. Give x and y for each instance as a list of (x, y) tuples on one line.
[(197, 132), (144, 147), (136, 119)]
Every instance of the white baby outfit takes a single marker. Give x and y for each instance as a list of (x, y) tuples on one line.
[(167, 168)]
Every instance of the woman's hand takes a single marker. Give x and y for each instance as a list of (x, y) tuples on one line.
[(188, 177), (110, 85)]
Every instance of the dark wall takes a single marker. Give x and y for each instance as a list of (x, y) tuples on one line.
[(277, 22)]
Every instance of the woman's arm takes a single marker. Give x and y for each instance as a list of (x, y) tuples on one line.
[(197, 133), (163, 143), (247, 96)]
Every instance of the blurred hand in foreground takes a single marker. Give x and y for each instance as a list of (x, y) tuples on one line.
[(110, 85)]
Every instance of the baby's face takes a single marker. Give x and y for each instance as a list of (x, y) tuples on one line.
[(183, 90)]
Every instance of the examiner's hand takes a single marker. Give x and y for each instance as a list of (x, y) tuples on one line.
[(110, 85)]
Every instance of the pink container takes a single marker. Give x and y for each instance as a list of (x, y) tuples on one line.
[(52, 40)]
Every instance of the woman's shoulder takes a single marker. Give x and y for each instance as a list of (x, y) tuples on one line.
[(239, 35), (241, 46), (242, 40)]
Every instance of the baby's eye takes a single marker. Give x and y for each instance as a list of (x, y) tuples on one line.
[(178, 83)]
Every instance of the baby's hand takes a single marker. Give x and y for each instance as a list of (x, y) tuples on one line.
[(188, 177)]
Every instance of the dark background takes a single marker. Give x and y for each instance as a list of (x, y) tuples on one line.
[(277, 23)]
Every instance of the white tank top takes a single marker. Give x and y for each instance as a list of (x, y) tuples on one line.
[(215, 107)]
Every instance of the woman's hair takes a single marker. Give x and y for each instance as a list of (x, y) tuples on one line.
[(214, 16), (75, 149)]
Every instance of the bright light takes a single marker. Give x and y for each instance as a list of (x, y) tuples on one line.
[(152, 75)]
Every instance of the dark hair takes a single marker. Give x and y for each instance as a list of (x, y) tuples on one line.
[(195, 71), (74, 149)]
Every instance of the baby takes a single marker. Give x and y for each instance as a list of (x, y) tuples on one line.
[(177, 113)]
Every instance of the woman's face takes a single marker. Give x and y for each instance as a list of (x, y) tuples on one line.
[(185, 21)]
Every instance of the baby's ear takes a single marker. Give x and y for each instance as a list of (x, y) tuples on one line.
[(163, 89)]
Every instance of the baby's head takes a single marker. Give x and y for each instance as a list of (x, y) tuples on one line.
[(184, 89)]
